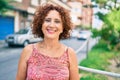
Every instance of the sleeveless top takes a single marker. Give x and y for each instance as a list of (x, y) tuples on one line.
[(43, 67)]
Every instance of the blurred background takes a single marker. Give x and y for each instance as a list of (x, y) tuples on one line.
[(95, 34)]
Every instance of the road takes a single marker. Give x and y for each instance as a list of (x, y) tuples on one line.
[(9, 57)]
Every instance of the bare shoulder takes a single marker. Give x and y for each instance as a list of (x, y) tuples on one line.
[(73, 66), (27, 50), (71, 51), (28, 47), (72, 56)]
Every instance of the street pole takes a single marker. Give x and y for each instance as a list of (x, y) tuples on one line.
[(87, 48)]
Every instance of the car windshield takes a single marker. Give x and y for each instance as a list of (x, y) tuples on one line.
[(22, 31), (84, 32)]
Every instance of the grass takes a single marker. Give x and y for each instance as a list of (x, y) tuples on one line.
[(98, 58), (93, 77)]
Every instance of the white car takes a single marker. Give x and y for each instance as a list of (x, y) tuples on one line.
[(22, 37), (83, 35), (74, 33)]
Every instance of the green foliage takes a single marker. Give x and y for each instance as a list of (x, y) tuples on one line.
[(103, 4), (94, 77), (101, 1), (98, 58), (4, 6), (109, 34), (96, 33), (110, 31), (101, 16), (83, 27), (114, 19)]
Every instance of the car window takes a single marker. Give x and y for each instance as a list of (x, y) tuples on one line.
[(30, 32), (85, 32), (22, 31), (82, 32)]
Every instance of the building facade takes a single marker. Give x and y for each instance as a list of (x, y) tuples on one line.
[(21, 15), (87, 13), (81, 12)]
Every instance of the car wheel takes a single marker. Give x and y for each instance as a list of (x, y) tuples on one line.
[(10, 45), (26, 43)]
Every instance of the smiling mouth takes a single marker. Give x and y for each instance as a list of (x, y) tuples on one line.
[(51, 31)]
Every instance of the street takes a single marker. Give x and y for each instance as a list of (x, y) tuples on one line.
[(9, 57)]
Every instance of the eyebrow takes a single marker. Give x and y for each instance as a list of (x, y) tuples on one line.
[(54, 19)]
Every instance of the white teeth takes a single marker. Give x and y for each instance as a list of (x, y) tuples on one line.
[(51, 30)]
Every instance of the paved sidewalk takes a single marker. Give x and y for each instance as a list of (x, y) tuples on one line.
[(2, 43)]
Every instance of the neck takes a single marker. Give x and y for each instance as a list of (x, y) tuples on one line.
[(50, 44)]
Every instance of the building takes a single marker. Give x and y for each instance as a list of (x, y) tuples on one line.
[(87, 13), (76, 12), (81, 12), (21, 15)]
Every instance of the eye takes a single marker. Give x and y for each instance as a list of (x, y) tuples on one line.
[(57, 21), (47, 20)]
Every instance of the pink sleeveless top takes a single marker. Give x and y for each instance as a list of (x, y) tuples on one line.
[(42, 67)]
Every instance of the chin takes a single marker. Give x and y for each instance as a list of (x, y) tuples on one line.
[(51, 37)]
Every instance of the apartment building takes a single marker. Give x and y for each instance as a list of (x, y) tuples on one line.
[(87, 13), (76, 12), (21, 15), (81, 12)]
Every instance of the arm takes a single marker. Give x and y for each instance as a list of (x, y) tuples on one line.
[(22, 65), (74, 73)]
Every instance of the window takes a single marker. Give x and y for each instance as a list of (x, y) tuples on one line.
[(18, 0), (35, 2)]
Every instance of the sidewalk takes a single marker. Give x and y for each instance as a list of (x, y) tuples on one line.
[(2, 43)]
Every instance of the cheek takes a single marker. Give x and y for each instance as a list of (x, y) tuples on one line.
[(62, 29), (43, 28)]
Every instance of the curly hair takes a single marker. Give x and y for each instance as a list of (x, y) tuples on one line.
[(42, 12)]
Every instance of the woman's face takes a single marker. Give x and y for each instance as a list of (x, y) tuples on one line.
[(52, 25)]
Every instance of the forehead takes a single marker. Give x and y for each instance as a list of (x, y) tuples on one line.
[(53, 14)]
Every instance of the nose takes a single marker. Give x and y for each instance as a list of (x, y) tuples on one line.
[(52, 24)]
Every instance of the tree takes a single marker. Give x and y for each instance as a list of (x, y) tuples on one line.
[(4, 6), (110, 31), (108, 4)]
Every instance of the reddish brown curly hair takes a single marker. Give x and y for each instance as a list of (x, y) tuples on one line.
[(42, 12)]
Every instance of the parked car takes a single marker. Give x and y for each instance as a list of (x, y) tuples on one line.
[(74, 33), (84, 34), (22, 37)]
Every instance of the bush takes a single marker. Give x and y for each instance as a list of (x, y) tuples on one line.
[(93, 77), (98, 58)]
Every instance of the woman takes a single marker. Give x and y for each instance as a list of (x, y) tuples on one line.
[(49, 59)]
